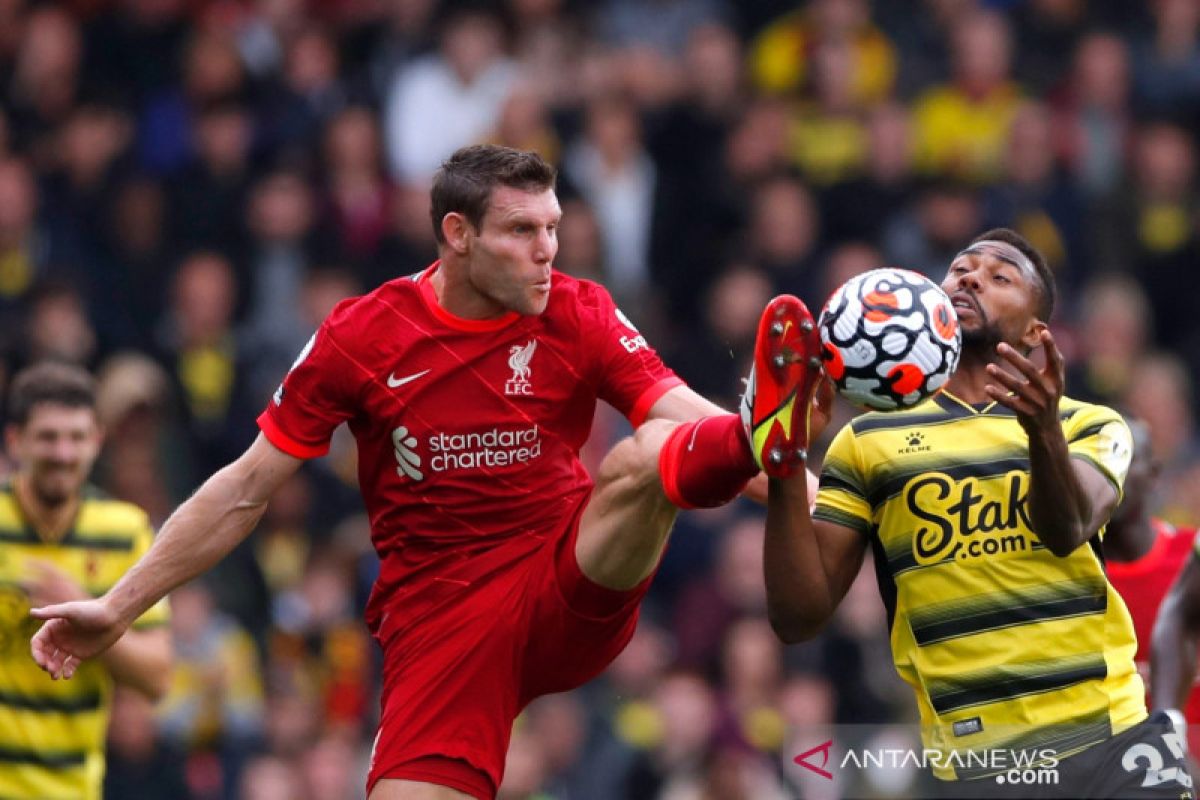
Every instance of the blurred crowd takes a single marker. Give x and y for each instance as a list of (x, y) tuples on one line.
[(188, 186)]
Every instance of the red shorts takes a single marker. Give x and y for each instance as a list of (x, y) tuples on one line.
[(455, 680)]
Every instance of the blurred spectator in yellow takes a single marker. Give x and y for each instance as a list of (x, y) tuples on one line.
[(203, 356), (962, 126), (1112, 333), (828, 136), (1149, 229), (215, 700), (781, 56)]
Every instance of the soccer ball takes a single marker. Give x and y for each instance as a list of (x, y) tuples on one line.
[(889, 339)]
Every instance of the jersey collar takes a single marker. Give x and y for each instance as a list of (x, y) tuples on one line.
[(451, 320), (956, 405)]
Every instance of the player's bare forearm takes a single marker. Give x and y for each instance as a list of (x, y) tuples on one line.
[(141, 660), (1173, 643), (806, 577), (1068, 501), (1061, 508), (204, 529), (200, 532)]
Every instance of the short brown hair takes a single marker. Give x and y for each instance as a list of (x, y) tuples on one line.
[(465, 181), (1047, 294), (49, 382)]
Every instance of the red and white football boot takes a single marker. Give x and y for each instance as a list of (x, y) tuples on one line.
[(780, 389)]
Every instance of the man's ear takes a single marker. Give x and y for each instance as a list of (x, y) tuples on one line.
[(1033, 335), (457, 231)]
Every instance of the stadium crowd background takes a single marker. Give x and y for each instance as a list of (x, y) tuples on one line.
[(188, 186)]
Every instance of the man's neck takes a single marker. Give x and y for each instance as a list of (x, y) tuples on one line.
[(50, 522), (455, 293), (1129, 540), (969, 379)]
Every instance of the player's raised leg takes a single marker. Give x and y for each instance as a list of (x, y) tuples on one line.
[(702, 463)]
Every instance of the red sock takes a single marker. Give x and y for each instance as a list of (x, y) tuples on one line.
[(706, 463)]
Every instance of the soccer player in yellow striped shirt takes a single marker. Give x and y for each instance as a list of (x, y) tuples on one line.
[(62, 540), (984, 509)]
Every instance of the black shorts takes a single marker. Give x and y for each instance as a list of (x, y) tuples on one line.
[(1145, 761)]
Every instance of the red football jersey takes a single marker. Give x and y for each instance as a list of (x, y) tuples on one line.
[(1143, 584), (468, 431)]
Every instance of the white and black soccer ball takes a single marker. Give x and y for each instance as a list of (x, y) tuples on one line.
[(889, 339)]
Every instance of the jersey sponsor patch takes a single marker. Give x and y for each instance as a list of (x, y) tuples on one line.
[(1114, 446)]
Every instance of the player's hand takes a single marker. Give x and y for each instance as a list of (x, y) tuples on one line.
[(1033, 394), (47, 584), (73, 632), (821, 409)]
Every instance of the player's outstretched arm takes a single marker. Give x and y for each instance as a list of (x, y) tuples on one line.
[(200, 533), (1069, 500), (808, 564), (1176, 635)]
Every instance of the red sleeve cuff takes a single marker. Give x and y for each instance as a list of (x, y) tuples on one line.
[(641, 409), (287, 444)]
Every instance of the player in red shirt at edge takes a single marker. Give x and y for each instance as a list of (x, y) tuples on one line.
[(1143, 555), (470, 387)]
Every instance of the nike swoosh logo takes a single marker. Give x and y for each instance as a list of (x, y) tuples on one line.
[(394, 382)]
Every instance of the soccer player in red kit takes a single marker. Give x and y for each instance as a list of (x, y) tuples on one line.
[(470, 387), (1144, 554)]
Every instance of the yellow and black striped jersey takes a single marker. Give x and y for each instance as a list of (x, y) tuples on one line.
[(52, 732), (1004, 643)]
